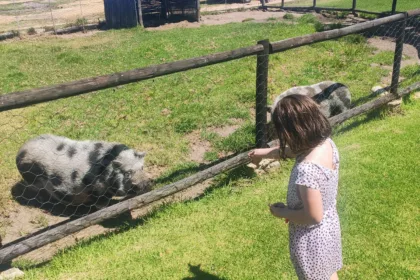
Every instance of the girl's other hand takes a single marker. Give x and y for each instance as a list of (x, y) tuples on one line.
[(277, 209)]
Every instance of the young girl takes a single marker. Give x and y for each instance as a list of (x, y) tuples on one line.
[(314, 228)]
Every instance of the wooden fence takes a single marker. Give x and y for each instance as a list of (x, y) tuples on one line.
[(262, 51), (317, 8)]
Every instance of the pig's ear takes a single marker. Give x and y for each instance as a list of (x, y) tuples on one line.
[(140, 154), (116, 164)]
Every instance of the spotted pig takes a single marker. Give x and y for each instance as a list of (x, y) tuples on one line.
[(81, 172), (333, 98)]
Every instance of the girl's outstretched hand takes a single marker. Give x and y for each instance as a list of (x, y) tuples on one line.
[(257, 155)]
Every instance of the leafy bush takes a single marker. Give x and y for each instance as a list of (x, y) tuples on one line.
[(288, 16), (48, 28), (31, 31), (308, 18), (81, 22)]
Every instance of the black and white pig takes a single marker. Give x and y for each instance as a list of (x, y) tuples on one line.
[(81, 172), (333, 98)]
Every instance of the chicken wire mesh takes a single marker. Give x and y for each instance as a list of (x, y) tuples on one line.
[(364, 5), (178, 120), (364, 63), (30, 17), (40, 16)]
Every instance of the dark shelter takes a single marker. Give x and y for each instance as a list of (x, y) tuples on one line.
[(130, 13)]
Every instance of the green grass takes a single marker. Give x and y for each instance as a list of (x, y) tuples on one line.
[(214, 96), (368, 5), (132, 114), (229, 233), (371, 5), (156, 115)]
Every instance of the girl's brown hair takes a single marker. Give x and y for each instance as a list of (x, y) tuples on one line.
[(299, 124)]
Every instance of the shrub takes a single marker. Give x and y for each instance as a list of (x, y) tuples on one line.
[(308, 18), (81, 22), (31, 31), (248, 19), (48, 28), (288, 16), (368, 16)]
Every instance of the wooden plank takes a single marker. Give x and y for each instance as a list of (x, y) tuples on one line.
[(34, 96), (331, 34), (30, 244)]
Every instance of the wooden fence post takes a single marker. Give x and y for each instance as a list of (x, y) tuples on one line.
[(282, 3), (353, 7), (198, 10), (314, 4), (261, 95), (394, 6), (398, 56), (140, 13)]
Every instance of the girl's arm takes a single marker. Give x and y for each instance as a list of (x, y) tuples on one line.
[(311, 213), (274, 153)]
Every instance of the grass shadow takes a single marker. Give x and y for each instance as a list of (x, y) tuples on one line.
[(200, 274), (155, 21), (182, 173)]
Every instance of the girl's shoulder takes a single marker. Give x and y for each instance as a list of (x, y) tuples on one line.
[(322, 154)]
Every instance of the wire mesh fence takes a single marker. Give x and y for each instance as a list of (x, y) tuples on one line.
[(77, 176), (32, 17), (390, 6), (46, 15)]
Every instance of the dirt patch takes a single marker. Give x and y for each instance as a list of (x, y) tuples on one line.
[(29, 220), (411, 56), (198, 146), (223, 18), (224, 131)]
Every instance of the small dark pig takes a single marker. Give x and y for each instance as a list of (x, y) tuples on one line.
[(81, 172)]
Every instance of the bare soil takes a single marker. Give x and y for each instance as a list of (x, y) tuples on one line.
[(410, 56)]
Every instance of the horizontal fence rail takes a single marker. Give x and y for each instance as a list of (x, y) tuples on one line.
[(314, 7), (39, 95), (331, 34)]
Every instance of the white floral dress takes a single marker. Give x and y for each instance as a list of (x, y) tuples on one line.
[(315, 250)]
